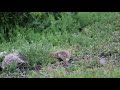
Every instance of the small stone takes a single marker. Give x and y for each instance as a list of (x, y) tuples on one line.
[(102, 60), (37, 67)]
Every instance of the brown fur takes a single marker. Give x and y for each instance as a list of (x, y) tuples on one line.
[(64, 55)]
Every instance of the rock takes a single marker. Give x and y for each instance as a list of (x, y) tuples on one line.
[(15, 56), (51, 67), (37, 67), (102, 59)]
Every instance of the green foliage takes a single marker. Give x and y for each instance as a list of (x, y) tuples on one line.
[(11, 67), (8, 20)]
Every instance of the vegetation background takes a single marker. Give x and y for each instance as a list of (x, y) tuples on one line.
[(88, 34)]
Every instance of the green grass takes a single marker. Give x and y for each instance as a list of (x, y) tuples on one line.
[(96, 37)]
